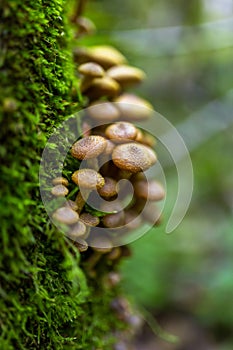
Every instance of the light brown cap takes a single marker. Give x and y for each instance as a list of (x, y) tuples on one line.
[(78, 230), (133, 157), (66, 216), (88, 179), (60, 181), (71, 204), (126, 75), (89, 220), (88, 147), (81, 244), (91, 69), (109, 189), (85, 26), (59, 191), (121, 132), (101, 244), (151, 190), (105, 112), (133, 108), (114, 220), (101, 87)]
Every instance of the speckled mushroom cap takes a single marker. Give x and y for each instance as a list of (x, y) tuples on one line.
[(126, 75), (101, 87), (88, 179), (89, 220), (91, 69), (133, 157), (104, 112), (66, 215), (78, 230), (133, 108), (88, 147), (60, 181), (121, 132), (151, 190)]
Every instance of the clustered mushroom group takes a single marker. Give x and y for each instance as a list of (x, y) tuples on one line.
[(112, 147)]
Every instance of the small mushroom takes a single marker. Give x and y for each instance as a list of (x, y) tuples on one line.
[(60, 181), (66, 216), (78, 230), (121, 132), (103, 112), (89, 70), (106, 56), (85, 26), (88, 179), (89, 220), (112, 279), (133, 157), (71, 204), (151, 190), (126, 75), (59, 191), (102, 87), (81, 244), (114, 220), (88, 147), (132, 220), (109, 189), (115, 254), (133, 108)]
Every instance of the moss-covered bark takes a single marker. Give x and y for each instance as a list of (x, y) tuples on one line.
[(46, 301)]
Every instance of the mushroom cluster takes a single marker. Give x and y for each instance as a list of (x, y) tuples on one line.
[(113, 148)]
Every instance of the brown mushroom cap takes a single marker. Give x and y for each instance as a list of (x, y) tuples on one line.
[(133, 157), (71, 204), (101, 244), (89, 220), (60, 181), (59, 191), (85, 26), (88, 147), (78, 230), (100, 87), (88, 179), (66, 216), (132, 219), (109, 189), (114, 220), (105, 112), (106, 56), (121, 132), (81, 244), (151, 190), (126, 75), (133, 108), (91, 69)]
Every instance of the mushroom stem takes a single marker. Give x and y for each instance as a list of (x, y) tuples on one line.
[(81, 199), (79, 9)]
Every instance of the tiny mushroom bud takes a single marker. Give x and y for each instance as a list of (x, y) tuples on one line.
[(133, 157), (134, 108), (126, 75), (71, 204), (66, 216), (106, 56), (104, 112), (109, 189), (59, 191), (81, 244), (88, 179), (89, 220), (121, 132), (85, 26), (60, 181), (151, 190), (88, 147), (101, 87)]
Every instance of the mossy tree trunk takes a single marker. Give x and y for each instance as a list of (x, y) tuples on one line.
[(46, 300)]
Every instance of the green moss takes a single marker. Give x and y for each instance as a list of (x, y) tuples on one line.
[(46, 301)]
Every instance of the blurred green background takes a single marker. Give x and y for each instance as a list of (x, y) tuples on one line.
[(186, 49)]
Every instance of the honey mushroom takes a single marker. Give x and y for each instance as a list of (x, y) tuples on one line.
[(106, 56), (60, 181), (85, 26), (121, 132), (89, 71), (59, 191), (133, 108), (103, 112), (133, 157), (151, 190), (114, 219), (103, 87), (78, 230), (109, 190), (126, 75), (66, 216), (87, 180)]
